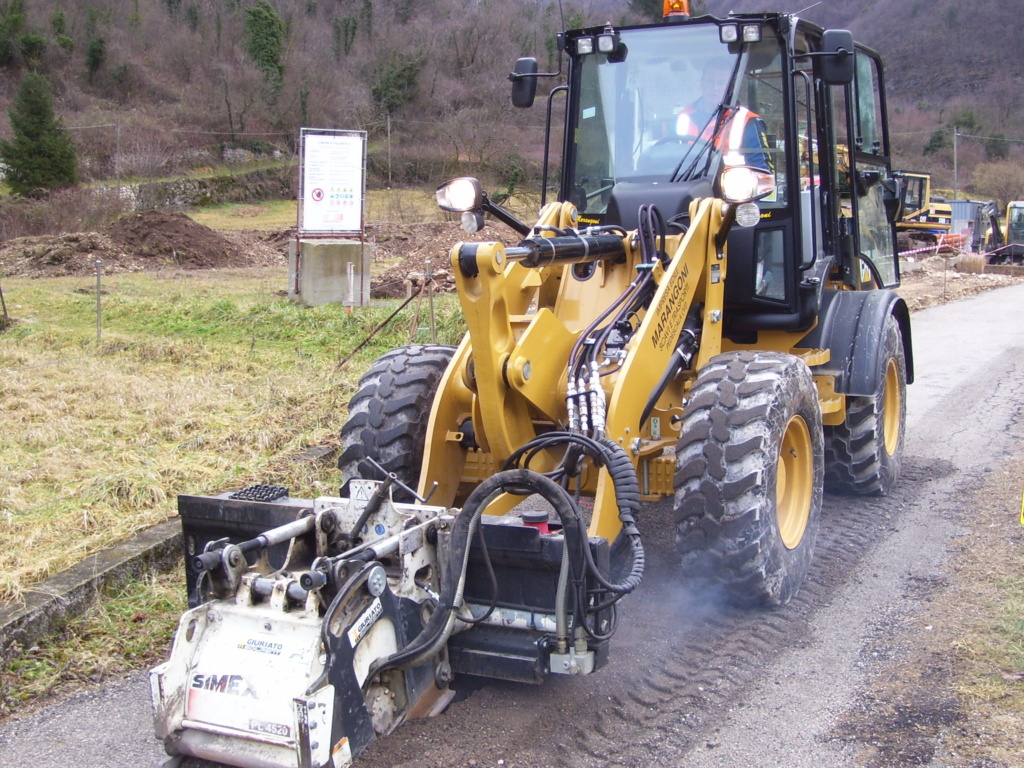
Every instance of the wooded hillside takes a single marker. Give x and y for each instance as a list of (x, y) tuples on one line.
[(153, 87)]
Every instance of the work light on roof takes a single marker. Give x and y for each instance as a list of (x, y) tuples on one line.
[(584, 46), (751, 33), (728, 33), (607, 41)]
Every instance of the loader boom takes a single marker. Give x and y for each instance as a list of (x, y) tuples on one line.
[(520, 383)]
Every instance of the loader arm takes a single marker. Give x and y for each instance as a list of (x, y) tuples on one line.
[(508, 378), (696, 272)]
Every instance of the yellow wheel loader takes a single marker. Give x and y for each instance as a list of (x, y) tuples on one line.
[(704, 316)]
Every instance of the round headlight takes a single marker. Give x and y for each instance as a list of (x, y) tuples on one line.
[(739, 184), (458, 195), (742, 183)]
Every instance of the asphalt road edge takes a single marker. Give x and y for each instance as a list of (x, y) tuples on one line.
[(47, 606)]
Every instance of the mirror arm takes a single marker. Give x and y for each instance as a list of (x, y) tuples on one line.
[(840, 53), (504, 216), (547, 143)]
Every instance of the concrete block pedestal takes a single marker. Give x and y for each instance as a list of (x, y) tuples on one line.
[(329, 271)]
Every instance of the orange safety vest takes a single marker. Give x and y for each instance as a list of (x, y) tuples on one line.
[(730, 141)]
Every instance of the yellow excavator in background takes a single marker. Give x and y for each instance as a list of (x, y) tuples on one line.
[(925, 219), (1003, 244)]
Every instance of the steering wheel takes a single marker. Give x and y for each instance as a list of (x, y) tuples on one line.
[(664, 154)]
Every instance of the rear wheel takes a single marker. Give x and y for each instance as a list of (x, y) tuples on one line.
[(863, 454), (388, 416), (748, 479)]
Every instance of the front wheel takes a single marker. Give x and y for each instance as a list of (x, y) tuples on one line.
[(863, 454), (387, 418), (749, 466)]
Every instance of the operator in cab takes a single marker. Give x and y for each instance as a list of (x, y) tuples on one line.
[(739, 133)]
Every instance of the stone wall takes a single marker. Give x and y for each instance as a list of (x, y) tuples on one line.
[(263, 184)]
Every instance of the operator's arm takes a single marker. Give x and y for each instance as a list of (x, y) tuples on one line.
[(755, 137)]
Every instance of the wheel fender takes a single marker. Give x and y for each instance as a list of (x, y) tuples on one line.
[(850, 325)]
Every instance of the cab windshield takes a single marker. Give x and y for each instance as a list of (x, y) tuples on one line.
[(1015, 223), (674, 109)]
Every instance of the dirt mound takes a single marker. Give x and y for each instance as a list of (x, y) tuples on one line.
[(936, 280), (154, 240), (175, 238), (401, 253), (140, 242), (47, 256)]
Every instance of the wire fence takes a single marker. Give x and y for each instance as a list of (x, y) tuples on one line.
[(332, 382)]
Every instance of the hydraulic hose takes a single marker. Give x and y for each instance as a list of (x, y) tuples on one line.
[(613, 457), (439, 627), (627, 498), (441, 623), (562, 598)]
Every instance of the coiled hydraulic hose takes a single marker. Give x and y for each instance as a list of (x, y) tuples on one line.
[(439, 627), (613, 457), (523, 481)]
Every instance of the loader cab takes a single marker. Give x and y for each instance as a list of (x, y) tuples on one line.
[(792, 105), (1015, 223), (917, 195)]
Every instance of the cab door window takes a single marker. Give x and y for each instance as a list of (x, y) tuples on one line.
[(876, 235), (863, 175)]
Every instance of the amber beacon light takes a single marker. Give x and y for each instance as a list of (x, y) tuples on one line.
[(676, 8)]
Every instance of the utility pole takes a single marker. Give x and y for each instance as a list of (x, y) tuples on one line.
[(956, 184)]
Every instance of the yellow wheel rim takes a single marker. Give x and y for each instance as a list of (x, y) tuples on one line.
[(891, 407), (794, 485)]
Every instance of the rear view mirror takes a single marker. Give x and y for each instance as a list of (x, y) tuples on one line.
[(524, 82), (837, 58)]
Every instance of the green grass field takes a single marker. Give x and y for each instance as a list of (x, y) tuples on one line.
[(201, 383), (395, 205)]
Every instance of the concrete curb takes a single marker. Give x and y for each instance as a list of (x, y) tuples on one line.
[(51, 603)]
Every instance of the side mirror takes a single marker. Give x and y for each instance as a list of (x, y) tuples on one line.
[(892, 199), (837, 61), (524, 82), (866, 180)]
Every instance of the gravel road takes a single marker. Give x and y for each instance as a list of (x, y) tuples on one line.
[(691, 681)]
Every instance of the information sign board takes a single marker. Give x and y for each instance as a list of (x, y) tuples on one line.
[(332, 182)]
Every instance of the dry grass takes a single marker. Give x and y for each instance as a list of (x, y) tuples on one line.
[(270, 215), (202, 383), (394, 205), (987, 614), (129, 628)]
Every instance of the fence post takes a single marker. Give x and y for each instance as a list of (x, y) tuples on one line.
[(99, 313)]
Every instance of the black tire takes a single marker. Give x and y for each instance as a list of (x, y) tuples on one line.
[(863, 455), (748, 480), (387, 418)]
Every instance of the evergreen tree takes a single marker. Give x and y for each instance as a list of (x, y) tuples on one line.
[(265, 39), (12, 23), (95, 56), (40, 157)]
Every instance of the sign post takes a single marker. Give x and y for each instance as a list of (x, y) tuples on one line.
[(332, 202)]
